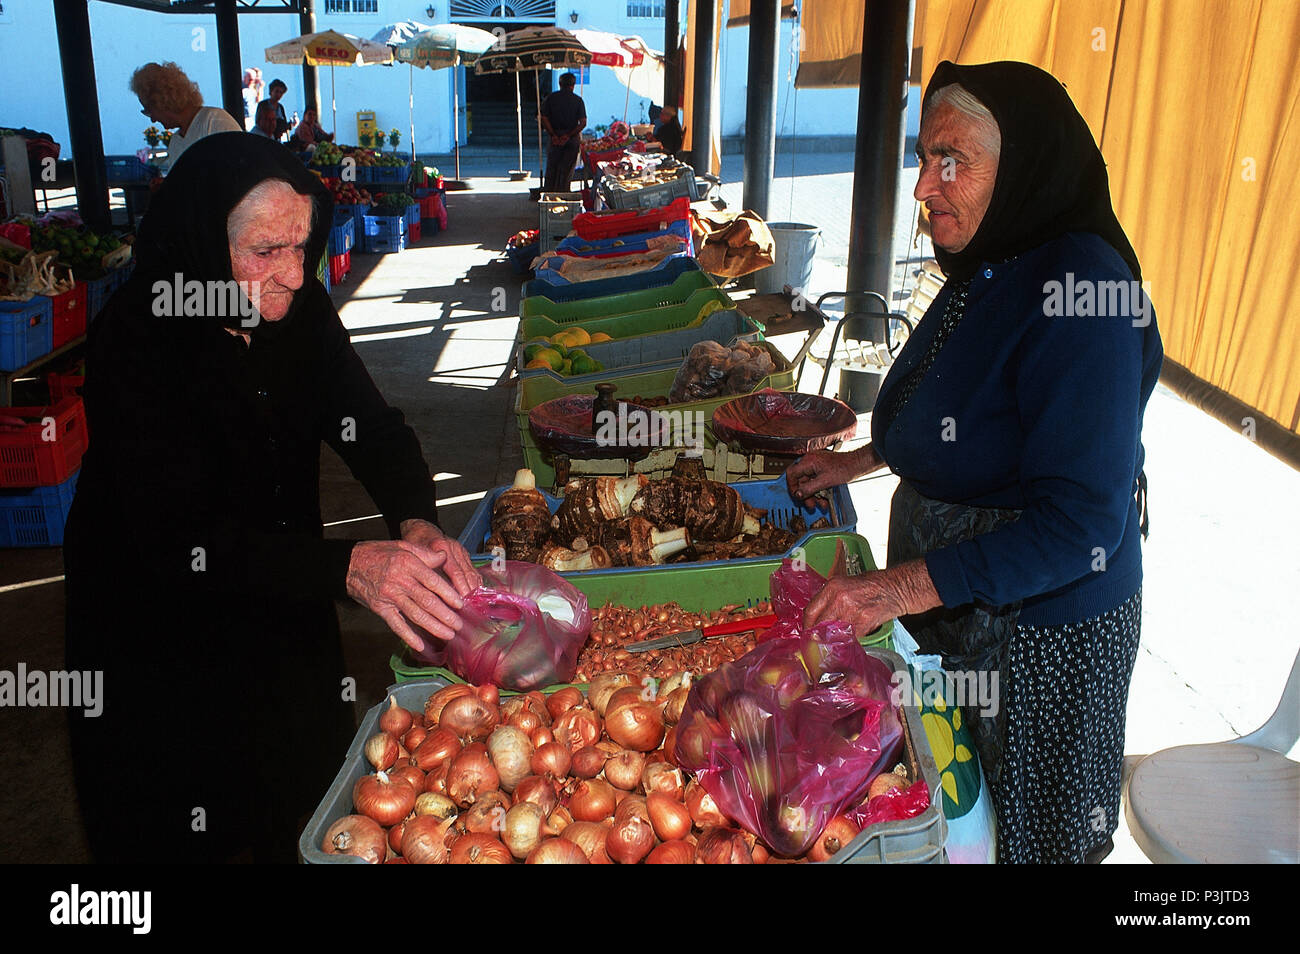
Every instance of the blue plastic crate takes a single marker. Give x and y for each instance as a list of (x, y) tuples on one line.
[(413, 214), (625, 244), (550, 274), (26, 331), (639, 281), (384, 233), (127, 169), (35, 518), (120, 275), (327, 172), (98, 291), (358, 213), (342, 233), (389, 175), (521, 256), (769, 495), (363, 174)]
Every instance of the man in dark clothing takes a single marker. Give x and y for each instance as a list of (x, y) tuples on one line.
[(669, 132), (563, 116)]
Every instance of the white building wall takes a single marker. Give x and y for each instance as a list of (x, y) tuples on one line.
[(31, 83)]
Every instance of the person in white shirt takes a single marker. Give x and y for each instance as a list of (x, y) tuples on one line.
[(172, 99)]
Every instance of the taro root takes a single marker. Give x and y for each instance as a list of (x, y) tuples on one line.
[(709, 510), (634, 541), (564, 560), (590, 501), (520, 519)]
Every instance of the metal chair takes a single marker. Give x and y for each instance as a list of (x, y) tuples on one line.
[(1234, 802), (859, 326)]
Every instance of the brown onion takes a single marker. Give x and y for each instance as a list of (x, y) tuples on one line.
[(557, 851), (630, 805), (469, 717), (525, 719), (489, 693), (635, 726), (358, 836), (477, 849), (395, 836), (627, 696), (577, 727), (424, 840), (670, 746), (436, 780), (523, 829), (381, 751), (704, 810), (431, 803), (629, 840), (471, 773), (590, 837), (433, 708), (670, 818), (672, 853), (439, 746), (839, 831), (538, 790), (674, 703), (592, 800), (722, 846), (486, 816), (394, 720), (414, 736), (662, 777), (542, 735), (588, 762), (556, 822), (562, 701), (385, 800), (412, 775), (624, 770), (551, 759), (511, 753), (760, 853), (605, 685)]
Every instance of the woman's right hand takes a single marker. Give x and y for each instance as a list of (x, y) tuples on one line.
[(400, 583), (823, 469)]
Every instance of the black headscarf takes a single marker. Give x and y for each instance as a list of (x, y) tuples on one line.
[(1051, 176), (184, 230)]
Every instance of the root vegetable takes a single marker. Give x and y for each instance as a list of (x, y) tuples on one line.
[(356, 835)]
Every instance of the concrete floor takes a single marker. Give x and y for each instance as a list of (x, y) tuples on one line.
[(435, 325)]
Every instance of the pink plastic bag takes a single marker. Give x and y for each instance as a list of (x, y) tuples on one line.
[(524, 628), (894, 805), (791, 734)]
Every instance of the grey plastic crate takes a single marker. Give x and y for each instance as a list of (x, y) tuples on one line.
[(338, 799), (555, 212), (661, 193), (912, 841), (660, 349)]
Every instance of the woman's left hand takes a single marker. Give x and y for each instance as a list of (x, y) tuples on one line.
[(458, 567), (868, 601)]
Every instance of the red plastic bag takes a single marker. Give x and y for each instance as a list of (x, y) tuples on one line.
[(894, 805), (523, 629)]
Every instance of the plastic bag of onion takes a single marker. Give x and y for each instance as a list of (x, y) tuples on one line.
[(791, 734), (523, 629)]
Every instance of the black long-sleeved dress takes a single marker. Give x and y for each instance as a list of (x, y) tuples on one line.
[(199, 582)]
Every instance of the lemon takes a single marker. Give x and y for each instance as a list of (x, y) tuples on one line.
[(599, 337), (538, 363)]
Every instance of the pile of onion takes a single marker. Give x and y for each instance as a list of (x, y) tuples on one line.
[(564, 778)]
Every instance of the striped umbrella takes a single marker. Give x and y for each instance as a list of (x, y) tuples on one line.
[(329, 48)]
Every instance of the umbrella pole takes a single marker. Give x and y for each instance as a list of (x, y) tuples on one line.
[(519, 120), (334, 106), (411, 106), (627, 95), (537, 89), (455, 113)]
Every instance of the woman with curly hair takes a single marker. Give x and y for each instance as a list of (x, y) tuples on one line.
[(172, 99)]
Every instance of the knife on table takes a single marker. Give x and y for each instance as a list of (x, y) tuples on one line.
[(748, 624)]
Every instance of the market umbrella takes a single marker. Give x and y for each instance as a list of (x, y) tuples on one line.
[(329, 48), (533, 49), (439, 47)]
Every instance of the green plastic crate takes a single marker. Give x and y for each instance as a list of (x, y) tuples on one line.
[(695, 588), (656, 382), (585, 309), (694, 310)]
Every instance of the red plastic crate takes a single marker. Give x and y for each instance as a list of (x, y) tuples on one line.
[(601, 225), (27, 459), (69, 314), (340, 266), (429, 206), (413, 231), (64, 385)]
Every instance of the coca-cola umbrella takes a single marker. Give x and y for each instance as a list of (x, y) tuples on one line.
[(329, 48), (533, 49), (436, 47)]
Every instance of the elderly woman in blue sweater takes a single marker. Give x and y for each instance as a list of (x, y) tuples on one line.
[(1013, 419)]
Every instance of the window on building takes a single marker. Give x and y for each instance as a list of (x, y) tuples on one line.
[(645, 9), (352, 7)]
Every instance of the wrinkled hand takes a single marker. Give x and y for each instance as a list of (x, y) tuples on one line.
[(823, 469), (399, 582), (458, 568), (868, 601)]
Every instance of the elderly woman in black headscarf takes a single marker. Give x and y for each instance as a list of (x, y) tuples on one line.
[(1013, 419), (198, 579)]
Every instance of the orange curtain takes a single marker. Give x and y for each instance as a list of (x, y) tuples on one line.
[(738, 12), (688, 89)]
